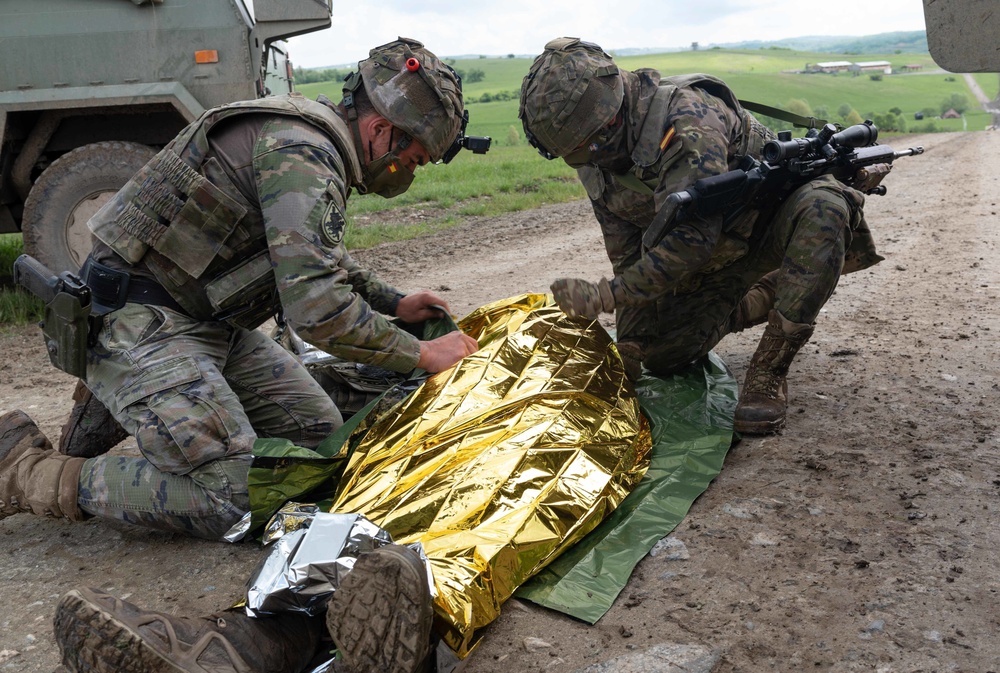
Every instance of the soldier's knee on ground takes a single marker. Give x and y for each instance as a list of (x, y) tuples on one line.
[(90, 430)]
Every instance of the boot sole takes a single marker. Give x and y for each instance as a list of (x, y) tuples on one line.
[(92, 640), (380, 616), (759, 428)]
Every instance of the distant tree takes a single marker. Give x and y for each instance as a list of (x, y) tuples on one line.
[(900, 123), (482, 56), (930, 112), (844, 110), (513, 137), (311, 75), (887, 122), (957, 102), (475, 75), (896, 111), (799, 107), (853, 118), (821, 112), (510, 56), (694, 46)]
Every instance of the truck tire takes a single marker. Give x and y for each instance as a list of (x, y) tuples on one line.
[(68, 193)]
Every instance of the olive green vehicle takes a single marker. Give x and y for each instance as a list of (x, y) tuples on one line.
[(91, 89)]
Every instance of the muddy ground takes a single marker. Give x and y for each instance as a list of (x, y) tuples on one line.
[(862, 538)]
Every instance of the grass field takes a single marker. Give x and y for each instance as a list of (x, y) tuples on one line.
[(16, 306), (759, 75)]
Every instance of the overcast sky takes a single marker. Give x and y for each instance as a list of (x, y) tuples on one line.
[(497, 28)]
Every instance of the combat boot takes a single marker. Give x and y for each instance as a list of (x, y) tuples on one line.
[(763, 403), (755, 305), (34, 477), (380, 616), (633, 352), (98, 633), (91, 430)]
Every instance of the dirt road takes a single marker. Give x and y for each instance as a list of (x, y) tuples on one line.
[(863, 538)]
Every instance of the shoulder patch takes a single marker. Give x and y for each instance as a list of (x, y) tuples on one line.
[(331, 226)]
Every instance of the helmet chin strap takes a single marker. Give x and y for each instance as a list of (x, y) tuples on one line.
[(351, 85)]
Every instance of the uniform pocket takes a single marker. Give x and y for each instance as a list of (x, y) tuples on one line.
[(164, 376), (132, 326), (180, 423)]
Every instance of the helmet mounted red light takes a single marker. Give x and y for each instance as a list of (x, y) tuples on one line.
[(412, 64)]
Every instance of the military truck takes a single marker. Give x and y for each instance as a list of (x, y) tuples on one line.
[(91, 89)]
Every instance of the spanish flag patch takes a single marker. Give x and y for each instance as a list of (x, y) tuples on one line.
[(667, 137), (393, 167)]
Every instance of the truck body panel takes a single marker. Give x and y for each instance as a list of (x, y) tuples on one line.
[(85, 73)]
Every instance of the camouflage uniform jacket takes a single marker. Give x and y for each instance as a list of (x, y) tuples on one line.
[(222, 256), (682, 129)]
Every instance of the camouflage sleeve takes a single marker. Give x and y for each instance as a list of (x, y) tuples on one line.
[(380, 296), (622, 239), (703, 125), (302, 190)]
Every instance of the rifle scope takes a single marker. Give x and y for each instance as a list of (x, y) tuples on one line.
[(859, 135), (824, 143)]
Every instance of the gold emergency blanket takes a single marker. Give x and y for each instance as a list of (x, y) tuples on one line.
[(499, 464)]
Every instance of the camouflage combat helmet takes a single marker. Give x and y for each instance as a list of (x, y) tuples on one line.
[(572, 90), (414, 90)]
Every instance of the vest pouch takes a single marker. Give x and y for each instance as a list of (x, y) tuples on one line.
[(198, 232), (121, 226), (245, 296)]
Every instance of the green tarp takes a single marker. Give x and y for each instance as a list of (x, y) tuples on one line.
[(692, 424)]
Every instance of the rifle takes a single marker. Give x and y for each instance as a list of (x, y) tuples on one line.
[(851, 156), (66, 322)]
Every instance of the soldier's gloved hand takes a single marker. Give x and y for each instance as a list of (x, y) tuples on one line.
[(578, 297)]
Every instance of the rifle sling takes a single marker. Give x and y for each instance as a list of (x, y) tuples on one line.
[(784, 115)]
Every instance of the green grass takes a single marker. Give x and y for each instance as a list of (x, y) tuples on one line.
[(506, 179), (17, 307)]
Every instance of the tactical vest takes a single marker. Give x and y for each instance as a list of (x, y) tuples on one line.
[(185, 220), (651, 159), (649, 154)]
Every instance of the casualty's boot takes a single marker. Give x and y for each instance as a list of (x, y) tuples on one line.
[(91, 430), (34, 477), (380, 616), (762, 405), (98, 633), (755, 304)]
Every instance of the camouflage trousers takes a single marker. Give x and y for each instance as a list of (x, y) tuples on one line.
[(805, 240), (195, 395)]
